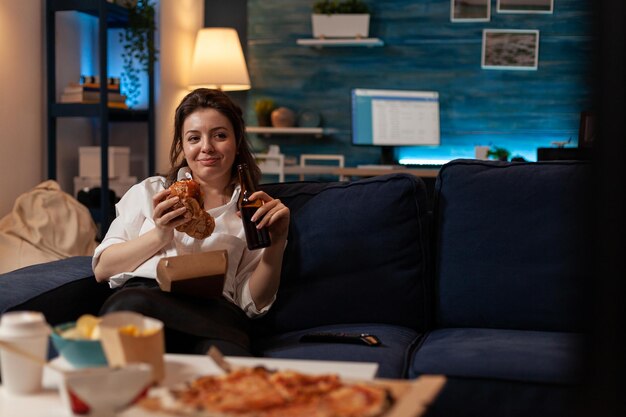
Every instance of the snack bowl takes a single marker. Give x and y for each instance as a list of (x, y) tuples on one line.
[(80, 353), (102, 392)]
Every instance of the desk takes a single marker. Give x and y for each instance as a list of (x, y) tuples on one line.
[(357, 172)]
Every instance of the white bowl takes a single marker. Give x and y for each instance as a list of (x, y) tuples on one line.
[(101, 392)]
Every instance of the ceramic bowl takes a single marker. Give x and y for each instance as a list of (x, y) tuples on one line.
[(79, 353), (103, 392)]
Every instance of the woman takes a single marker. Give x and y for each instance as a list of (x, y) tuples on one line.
[(209, 140)]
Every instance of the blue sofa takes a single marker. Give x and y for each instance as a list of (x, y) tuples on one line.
[(483, 283)]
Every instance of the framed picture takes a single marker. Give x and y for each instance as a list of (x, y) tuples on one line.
[(586, 130), (525, 6), (470, 10), (510, 49)]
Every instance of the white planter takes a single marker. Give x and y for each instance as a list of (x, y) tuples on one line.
[(340, 25)]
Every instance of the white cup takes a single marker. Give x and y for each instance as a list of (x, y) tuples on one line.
[(27, 331)]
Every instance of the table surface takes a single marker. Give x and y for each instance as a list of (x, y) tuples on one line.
[(178, 368), (416, 394)]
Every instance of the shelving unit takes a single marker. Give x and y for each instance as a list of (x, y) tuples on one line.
[(369, 42), (269, 131), (109, 16)]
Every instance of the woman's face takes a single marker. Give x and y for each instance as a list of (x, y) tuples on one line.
[(209, 144)]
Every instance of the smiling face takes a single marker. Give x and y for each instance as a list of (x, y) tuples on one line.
[(209, 145), (211, 109)]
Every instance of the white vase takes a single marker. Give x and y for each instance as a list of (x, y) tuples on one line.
[(340, 25)]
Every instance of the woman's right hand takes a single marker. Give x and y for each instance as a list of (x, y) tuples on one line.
[(166, 219)]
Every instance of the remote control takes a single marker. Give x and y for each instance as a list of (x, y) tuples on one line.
[(340, 337)]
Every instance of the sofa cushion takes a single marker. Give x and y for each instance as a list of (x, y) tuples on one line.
[(514, 355), (62, 290), (392, 355), (511, 244), (356, 253)]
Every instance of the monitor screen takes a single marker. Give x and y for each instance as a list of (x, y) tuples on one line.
[(395, 117)]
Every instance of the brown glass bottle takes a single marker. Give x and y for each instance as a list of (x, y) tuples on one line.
[(256, 238)]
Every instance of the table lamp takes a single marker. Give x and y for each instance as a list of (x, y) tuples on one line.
[(218, 61)]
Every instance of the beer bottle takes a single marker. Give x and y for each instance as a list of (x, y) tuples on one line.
[(256, 238)]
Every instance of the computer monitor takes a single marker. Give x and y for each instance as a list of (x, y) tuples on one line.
[(389, 118)]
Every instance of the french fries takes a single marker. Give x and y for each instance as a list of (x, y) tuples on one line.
[(88, 328)]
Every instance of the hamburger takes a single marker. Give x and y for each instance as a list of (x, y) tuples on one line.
[(190, 196)]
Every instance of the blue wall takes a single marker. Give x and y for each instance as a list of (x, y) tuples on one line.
[(518, 110)]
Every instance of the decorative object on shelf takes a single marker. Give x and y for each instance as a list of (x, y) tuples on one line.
[(481, 152), (470, 10), (263, 109), (525, 6), (587, 129), (309, 118), (218, 61), (139, 51), (561, 143), (340, 19), (510, 49), (89, 92), (283, 117), (501, 154)]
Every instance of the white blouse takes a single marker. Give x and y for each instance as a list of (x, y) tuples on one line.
[(134, 218)]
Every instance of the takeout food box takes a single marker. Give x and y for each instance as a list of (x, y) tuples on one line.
[(198, 274), (412, 397), (129, 337)]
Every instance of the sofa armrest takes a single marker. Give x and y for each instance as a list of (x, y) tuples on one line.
[(61, 290)]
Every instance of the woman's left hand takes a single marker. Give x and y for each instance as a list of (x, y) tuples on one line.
[(273, 214)]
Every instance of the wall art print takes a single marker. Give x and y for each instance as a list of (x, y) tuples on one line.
[(470, 10), (510, 49)]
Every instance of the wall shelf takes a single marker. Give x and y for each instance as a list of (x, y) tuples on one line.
[(370, 42), (311, 131)]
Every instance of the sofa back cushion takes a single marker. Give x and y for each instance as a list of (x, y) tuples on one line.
[(511, 244), (356, 253)]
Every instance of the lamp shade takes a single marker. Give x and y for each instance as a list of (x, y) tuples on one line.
[(218, 61)]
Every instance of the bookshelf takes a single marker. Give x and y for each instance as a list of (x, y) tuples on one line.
[(109, 16)]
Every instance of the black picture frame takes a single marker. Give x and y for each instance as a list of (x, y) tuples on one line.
[(587, 129)]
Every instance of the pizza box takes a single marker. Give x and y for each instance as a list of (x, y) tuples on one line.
[(198, 274), (411, 397)]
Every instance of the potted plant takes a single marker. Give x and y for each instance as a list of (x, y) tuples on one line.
[(340, 19), (263, 109), (139, 51), (498, 153)]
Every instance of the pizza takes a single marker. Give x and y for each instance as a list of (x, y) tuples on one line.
[(259, 392)]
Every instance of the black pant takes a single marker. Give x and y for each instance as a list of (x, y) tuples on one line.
[(192, 325)]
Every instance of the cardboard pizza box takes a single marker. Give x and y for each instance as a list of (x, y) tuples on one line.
[(128, 337), (411, 398), (198, 274)]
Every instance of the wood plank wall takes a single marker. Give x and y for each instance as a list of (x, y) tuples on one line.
[(424, 50)]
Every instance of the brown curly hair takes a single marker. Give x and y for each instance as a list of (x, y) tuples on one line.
[(203, 98)]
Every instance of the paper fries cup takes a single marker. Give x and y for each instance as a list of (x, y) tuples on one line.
[(122, 348)]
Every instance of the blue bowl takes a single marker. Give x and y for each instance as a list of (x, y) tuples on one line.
[(79, 353)]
